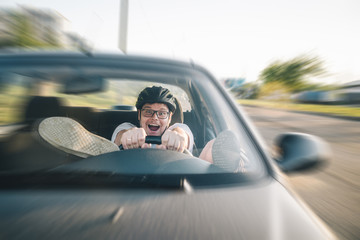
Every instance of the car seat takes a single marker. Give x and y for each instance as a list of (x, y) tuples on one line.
[(178, 116), (42, 107)]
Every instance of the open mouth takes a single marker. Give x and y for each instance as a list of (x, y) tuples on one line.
[(153, 128)]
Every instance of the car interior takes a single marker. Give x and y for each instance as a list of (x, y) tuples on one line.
[(26, 150), (21, 146)]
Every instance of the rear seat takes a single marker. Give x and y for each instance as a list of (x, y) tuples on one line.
[(102, 123), (41, 107), (88, 117), (109, 120)]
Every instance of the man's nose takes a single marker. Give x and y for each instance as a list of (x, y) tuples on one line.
[(155, 115)]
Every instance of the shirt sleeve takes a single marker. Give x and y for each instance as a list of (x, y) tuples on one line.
[(123, 126), (188, 131)]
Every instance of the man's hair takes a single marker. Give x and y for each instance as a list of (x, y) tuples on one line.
[(156, 95)]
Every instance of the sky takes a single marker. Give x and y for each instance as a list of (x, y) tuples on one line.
[(232, 38)]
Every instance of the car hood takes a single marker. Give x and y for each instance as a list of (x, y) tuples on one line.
[(262, 211)]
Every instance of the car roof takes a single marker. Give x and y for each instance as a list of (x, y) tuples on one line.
[(31, 55), (97, 57)]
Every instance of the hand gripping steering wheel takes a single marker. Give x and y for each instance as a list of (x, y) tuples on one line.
[(157, 140)]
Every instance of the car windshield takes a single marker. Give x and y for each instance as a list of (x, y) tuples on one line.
[(100, 93)]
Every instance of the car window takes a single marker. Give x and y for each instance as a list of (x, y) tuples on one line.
[(14, 89), (30, 93)]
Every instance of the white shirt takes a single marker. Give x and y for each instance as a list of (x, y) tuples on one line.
[(126, 125)]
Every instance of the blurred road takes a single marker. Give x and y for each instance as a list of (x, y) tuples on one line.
[(334, 192)]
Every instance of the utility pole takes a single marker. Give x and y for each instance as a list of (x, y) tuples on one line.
[(123, 24)]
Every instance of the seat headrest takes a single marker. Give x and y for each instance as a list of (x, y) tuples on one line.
[(42, 107), (178, 116)]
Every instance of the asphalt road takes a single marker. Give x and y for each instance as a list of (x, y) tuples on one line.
[(332, 192)]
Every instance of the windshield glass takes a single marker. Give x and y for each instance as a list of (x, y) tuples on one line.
[(99, 96)]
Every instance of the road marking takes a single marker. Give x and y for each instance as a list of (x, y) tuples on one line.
[(117, 215)]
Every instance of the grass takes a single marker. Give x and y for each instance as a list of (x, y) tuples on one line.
[(316, 108)]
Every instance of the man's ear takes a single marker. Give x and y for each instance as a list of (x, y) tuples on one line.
[(139, 114)]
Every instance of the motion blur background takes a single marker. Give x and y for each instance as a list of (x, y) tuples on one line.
[(275, 57), (302, 50)]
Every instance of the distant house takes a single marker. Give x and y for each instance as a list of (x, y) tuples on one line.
[(351, 92)]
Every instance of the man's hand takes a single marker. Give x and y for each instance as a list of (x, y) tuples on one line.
[(175, 140), (132, 138)]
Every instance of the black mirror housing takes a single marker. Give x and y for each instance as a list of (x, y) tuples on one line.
[(300, 151), (83, 84)]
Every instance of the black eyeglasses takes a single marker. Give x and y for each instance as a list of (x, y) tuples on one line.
[(160, 114)]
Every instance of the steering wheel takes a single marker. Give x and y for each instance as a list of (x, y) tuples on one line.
[(157, 140)]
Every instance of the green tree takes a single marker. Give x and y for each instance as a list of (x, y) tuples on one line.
[(293, 73), (22, 33)]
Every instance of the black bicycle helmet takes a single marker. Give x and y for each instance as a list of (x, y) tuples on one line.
[(156, 95)]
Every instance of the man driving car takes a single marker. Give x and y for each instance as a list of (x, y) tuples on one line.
[(155, 108)]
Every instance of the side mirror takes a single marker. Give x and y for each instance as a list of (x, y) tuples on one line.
[(300, 151)]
